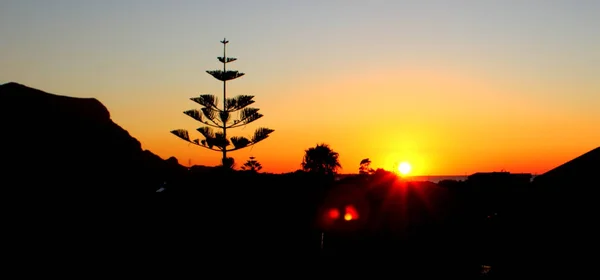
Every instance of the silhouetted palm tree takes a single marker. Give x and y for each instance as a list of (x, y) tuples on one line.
[(321, 159)]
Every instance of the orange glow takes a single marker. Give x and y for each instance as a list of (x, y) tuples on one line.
[(348, 217), (488, 99), (334, 214), (472, 122)]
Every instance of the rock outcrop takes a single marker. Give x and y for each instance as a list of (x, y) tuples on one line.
[(59, 144)]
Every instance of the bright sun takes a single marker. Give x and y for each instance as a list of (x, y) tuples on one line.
[(404, 168)]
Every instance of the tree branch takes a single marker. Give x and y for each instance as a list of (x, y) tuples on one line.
[(212, 125), (215, 123), (249, 145), (200, 145), (240, 123), (234, 125), (218, 150)]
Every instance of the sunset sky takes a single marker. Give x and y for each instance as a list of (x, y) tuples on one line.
[(453, 87)]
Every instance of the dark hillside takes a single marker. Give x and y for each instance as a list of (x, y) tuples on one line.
[(58, 144)]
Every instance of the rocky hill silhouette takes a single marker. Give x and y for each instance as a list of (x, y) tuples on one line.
[(71, 174), (583, 169), (59, 144)]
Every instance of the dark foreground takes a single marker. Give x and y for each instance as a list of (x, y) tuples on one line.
[(79, 200), (272, 225)]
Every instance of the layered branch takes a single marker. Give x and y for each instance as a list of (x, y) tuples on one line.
[(224, 116), (216, 141), (216, 118), (212, 139), (213, 116), (231, 104), (246, 116), (207, 100), (238, 102), (226, 59), (225, 75), (199, 116), (183, 134), (261, 133)]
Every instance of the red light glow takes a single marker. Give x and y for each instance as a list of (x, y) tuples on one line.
[(351, 213), (333, 214)]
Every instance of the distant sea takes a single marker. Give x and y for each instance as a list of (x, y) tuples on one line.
[(432, 178), (437, 178)]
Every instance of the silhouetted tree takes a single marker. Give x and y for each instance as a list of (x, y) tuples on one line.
[(365, 167), (221, 118), (321, 159), (228, 163), (252, 165)]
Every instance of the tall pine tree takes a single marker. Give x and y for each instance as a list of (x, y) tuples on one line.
[(233, 113)]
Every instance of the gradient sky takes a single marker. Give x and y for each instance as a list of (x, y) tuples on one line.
[(453, 87)]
